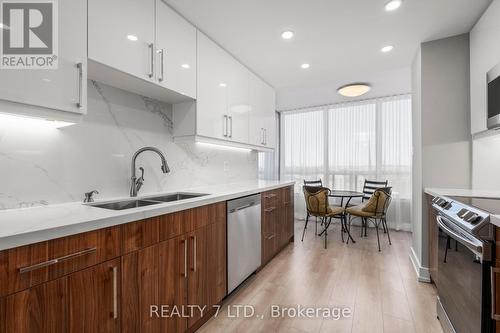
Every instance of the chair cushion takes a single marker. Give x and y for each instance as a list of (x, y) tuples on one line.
[(359, 210), (335, 211), (376, 202)]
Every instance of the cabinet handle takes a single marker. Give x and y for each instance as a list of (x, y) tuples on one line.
[(51, 262), (269, 196), (162, 65), (270, 209), (494, 315), (185, 258), (224, 128), (151, 60), (115, 292), (79, 67), (270, 237), (230, 126), (194, 253)]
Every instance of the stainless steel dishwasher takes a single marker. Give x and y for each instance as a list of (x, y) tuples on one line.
[(243, 239)]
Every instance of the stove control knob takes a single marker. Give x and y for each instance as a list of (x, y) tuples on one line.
[(474, 218)]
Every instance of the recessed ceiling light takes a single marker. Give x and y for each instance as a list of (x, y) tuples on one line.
[(132, 37), (387, 48), (185, 66), (305, 66), (354, 89), (222, 84), (287, 34), (393, 5)]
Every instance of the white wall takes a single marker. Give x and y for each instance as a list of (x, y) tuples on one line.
[(442, 141), (484, 54), (43, 165)]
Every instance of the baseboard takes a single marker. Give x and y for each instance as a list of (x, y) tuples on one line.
[(423, 273)]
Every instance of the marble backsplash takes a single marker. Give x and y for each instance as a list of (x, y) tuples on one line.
[(44, 165)]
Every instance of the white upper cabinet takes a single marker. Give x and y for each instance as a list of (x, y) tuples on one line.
[(62, 88), (233, 106), (262, 124), (238, 101), (176, 51), (212, 95), (142, 46), (122, 35)]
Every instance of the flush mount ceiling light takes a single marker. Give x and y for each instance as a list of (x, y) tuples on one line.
[(305, 66), (354, 89), (393, 5), (387, 48), (132, 37), (287, 34)]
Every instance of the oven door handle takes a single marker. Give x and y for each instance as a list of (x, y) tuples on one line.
[(477, 249)]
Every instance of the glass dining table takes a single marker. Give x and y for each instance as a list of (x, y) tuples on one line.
[(345, 196)]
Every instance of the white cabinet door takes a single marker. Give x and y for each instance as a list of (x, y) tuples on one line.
[(212, 89), (122, 35), (238, 101), (256, 122), (176, 51), (262, 124), (63, 88), (269, 116)]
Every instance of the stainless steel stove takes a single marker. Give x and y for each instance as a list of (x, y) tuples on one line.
[(465, 256)]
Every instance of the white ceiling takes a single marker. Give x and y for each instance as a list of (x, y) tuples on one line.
[(341, 39)]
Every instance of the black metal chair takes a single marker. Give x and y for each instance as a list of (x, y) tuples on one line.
[(317, 205), (313, 183), (375, 210), (369, 187)]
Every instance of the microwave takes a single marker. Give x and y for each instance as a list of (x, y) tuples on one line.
[(493, 78)]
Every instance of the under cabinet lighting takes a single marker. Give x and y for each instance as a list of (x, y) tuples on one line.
[(3, 26), (22, 121), (224, 147)]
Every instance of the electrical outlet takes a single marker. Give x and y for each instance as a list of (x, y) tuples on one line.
[(226, 166)]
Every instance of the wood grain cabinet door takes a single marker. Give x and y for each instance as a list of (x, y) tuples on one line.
[(269, 232), (39, 309), (216, 262), (173, 278), (94, 298), (197, 273)]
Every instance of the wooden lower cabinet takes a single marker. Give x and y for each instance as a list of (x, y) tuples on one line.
[(178, 276), (277, 221), (154, 286), (85, 301), (433, 239)]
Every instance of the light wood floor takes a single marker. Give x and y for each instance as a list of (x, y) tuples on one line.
[(379, 287)]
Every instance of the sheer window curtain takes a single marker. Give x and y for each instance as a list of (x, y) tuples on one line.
[(344, 144)]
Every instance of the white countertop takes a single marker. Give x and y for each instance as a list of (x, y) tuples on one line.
[(31, 225), (470, 193)]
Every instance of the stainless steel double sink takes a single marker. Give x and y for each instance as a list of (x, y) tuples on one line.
[(147, 201)]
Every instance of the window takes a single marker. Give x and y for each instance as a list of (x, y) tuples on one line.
[(344, 144)]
